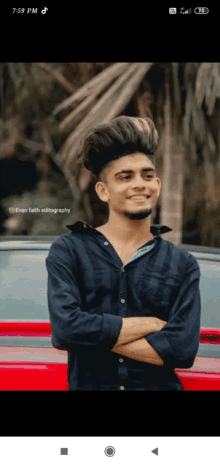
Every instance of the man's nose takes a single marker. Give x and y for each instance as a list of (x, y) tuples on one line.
[(139, 183)]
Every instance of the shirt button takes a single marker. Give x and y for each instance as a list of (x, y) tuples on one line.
[(121, 360), (122, 387), (122, 300), (123, 270), (106, 242)]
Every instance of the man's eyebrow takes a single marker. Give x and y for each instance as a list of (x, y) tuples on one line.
[(131, 171)]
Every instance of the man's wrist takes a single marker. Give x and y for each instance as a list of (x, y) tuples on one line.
[(135, 328), (140, 351)]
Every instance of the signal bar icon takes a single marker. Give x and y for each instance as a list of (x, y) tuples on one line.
[(186, 11)]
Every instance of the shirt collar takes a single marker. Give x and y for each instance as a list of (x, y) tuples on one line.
[(156, 230)]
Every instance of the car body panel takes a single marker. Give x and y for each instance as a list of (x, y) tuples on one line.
[(28, 361)]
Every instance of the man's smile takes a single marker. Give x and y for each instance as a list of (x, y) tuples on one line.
[(140, 198)]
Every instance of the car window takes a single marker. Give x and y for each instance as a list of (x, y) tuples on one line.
[(23, 285), (210, 302), (23, 291)]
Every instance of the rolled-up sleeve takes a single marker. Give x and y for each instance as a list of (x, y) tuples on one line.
[(178, 342), (71, 326)]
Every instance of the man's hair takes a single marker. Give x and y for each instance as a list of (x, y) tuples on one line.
[(121, 136)]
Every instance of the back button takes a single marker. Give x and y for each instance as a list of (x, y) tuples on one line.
[(155, 451)]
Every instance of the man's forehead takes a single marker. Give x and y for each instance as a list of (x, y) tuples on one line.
[(132, 161)]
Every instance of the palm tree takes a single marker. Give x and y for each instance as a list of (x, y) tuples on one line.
[(183, 101), (174, 132)]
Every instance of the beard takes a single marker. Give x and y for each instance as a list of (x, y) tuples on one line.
[(140, 215)]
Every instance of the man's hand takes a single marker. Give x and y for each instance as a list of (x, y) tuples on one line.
[(140, 349), (135, 328)]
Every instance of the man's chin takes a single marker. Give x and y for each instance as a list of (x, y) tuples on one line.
[(140, 215)]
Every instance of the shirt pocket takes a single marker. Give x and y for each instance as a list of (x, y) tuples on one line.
[(158, 291)]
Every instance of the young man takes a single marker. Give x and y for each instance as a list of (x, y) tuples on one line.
[(123, 302)]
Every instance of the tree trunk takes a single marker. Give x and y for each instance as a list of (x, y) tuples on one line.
[(172, 179)]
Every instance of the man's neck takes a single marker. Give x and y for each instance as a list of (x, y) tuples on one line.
[(129, 233)]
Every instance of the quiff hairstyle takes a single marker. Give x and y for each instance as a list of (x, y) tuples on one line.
[(121, 136)]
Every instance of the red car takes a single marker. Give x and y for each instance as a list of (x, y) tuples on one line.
[(28, 361)]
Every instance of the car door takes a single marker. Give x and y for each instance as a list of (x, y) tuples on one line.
[(28, 360), (205, 372)]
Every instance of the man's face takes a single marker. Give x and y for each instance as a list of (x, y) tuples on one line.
[(129, 176)]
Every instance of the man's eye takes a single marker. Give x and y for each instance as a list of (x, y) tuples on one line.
[(128, 176)]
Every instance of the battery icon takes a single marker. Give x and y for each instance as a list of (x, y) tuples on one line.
[(201, 10)]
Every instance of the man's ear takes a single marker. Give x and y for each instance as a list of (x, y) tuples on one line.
[(159, 184), (101, 191)]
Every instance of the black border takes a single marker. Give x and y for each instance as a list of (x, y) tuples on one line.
[(118, 414)]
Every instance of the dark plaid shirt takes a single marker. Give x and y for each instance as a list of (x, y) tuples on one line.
[(90, 291)]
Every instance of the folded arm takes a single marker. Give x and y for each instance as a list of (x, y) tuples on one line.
[(140, 350), (177, 342)]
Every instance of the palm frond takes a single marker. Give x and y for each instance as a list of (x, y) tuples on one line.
[(215, 92), (194, 115), (128, 91), (58, 76), (95, 115), (88, 88), (201, 82), (113, 74), (208, 85), (109, 105)]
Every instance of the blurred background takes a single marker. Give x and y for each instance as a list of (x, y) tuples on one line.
[(45, 111)]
